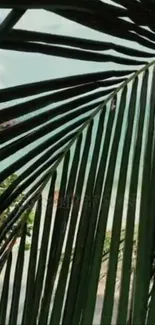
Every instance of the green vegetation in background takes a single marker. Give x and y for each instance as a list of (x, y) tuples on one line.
[(30, 219)]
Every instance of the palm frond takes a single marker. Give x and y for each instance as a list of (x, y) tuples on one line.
[(89, 137)]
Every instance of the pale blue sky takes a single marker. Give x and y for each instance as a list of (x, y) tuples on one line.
[(24, 67)]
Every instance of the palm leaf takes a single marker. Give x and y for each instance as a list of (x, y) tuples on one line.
[(90, 137), (17, 281), (4, 295)]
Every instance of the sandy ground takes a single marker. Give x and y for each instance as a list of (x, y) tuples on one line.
[(101, 287), (100, 293)]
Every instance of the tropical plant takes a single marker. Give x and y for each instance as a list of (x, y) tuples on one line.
[(94, 142)]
